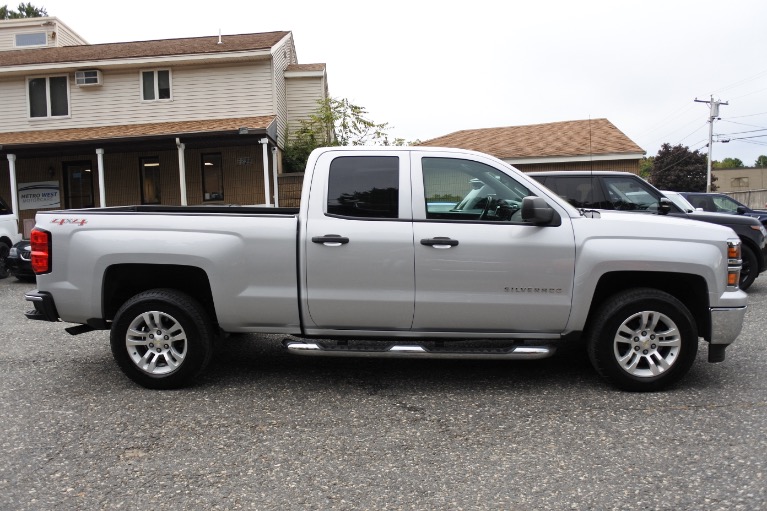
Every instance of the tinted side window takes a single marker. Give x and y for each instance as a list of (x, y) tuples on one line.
[(579, 191), (364, 186), (631, 194), (4, 209)]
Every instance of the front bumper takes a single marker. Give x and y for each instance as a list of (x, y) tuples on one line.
[(45, 308), (726, 324)]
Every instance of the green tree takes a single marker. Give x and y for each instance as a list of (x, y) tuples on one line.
[(336, 122), (761, 161), (727, 163), (25, 10), (679, 169), (645, 167)]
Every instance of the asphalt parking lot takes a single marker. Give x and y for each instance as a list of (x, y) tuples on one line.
[(267, 430)]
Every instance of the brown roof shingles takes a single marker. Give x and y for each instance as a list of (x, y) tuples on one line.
[(305, 67), (568, 138), (134, 130), (138, 49)]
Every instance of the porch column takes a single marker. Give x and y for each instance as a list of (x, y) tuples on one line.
[(102, 184), (14, 187), (267, 189), (181, 170), (276, 183)]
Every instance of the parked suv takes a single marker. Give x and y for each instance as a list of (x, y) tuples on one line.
[(9, 235), (628, 192), (721, 203)]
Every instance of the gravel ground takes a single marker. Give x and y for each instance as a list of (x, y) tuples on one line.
[(267, 430)]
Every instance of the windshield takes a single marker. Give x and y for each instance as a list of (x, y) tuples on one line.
[(680, 201)]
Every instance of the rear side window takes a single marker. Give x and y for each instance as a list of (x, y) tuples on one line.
[(579, 191), (364, 186)]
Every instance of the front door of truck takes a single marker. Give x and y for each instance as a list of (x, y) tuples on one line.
[(478, 267), (358, 243)]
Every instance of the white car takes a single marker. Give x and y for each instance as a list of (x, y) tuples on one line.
[(680, 201), (9, 235)]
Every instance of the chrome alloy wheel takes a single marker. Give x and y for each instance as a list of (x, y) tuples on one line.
[(647, 344), (156, 342)]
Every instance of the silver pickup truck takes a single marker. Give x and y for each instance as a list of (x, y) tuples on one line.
[(395, 252)]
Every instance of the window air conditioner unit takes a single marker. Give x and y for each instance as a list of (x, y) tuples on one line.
[(88, 77)]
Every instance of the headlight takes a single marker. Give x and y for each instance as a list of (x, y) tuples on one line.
[(13, 252)]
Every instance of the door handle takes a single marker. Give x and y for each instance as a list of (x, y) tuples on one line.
[(439, 242), (331, 240)]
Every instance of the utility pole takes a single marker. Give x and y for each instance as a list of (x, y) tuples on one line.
[(713, 115)]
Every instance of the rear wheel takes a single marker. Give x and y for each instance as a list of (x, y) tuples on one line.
[(642, 340), (4, 251), (162, 338), (750, 267)]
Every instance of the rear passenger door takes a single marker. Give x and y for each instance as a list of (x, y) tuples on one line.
[(359, 243)]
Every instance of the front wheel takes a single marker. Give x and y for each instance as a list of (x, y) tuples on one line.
[(162, 338), (750, 268), (642, 340)]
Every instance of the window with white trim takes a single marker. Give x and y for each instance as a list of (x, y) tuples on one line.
[(155, 85), (31, 39), (48, 96)]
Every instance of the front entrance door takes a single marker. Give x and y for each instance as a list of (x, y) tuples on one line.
[(78, 185)]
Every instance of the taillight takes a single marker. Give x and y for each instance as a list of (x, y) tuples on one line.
[(41, 251)]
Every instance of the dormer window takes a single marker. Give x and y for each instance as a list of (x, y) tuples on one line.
[(31, 39)]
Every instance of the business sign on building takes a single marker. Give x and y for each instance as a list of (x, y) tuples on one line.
[(39, 195)]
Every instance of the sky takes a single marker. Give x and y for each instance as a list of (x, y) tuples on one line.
[(429, 68)]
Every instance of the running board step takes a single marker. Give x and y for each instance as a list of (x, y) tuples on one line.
[(516, 352)]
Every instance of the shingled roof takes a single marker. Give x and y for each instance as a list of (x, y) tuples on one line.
[(118, 132), (594, 137), (138, 49)]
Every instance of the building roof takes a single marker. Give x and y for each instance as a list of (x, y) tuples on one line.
[(594, 137), (139, 49), (305, 67), (127, 131)]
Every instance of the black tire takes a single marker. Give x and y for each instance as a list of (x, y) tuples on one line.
[(4, 251), (750, 268), (642, 340), (162, 339)]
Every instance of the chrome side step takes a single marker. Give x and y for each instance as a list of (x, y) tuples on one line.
[(515, 352)]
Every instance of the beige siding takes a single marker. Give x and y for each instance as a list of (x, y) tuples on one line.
[(281, 59), (198, 93), (65, 37), (740, 180), (8, 36), (303, 94)]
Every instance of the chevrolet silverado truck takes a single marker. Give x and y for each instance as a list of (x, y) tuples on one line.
[(9, 235), (623, 191), (395, 252)]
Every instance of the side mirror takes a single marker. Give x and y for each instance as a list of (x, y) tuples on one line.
[(741, 210), (536, 211), (664, 206)]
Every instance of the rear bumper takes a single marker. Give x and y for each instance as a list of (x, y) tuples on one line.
[(45, 308), (726, 323)]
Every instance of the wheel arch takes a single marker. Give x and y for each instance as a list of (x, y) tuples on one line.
[(122, 281), (690, 289)]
